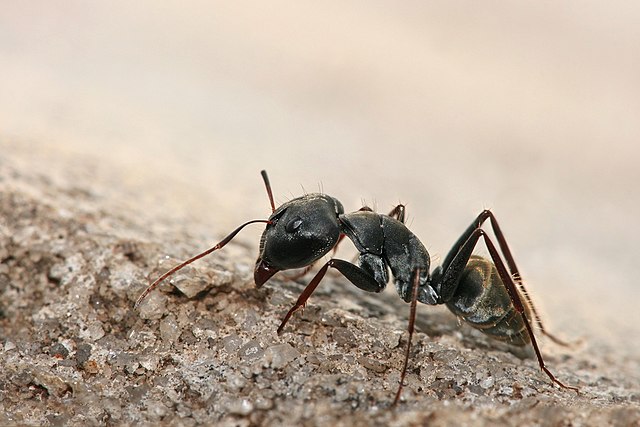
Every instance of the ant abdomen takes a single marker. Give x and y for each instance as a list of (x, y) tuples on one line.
[(483, 302)]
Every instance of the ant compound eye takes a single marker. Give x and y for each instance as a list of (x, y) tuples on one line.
[(293, 225)]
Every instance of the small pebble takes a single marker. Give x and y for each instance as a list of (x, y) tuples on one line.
[(154, 306), (251, 350), (94, 332), (231, 343), (487, 383), (240, 407), (58, 351), (169, 330), (83, 353), (372, 364), (344, 337), (280, 355)]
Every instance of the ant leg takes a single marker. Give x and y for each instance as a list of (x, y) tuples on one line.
[(477, 223), (304, 296), (448, 281), (517, 278), (511, 263), (508, 282), (412, 319), (352, 272), (299, 274)]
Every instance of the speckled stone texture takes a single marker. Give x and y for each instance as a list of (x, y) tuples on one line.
[(74, 352)]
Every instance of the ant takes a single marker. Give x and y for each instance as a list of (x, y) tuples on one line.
[(486, 293)]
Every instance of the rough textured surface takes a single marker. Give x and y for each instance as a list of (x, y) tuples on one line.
[(74, 352), (132, 136)]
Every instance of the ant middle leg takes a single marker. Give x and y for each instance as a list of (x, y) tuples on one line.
[(412, 320)]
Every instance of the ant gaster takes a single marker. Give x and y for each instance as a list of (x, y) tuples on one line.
[(487, 294)]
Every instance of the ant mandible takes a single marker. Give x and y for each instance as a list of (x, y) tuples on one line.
[(480, 291)]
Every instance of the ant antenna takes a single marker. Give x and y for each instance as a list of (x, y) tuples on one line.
[(180, 266), (267, 184)]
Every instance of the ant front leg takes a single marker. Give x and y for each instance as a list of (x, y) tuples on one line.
[(356, 275)]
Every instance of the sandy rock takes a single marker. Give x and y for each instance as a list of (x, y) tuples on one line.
[(75, 352)]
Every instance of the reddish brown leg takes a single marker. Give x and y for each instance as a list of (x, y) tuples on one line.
[(352, 272), (509, 284), (304, 296), (412, 319), (510, 261), (299, 274), (515, 273)]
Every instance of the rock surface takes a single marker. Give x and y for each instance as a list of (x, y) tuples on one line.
[(74, 351)]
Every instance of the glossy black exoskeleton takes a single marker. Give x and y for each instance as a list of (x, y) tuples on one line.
[(487, 294)]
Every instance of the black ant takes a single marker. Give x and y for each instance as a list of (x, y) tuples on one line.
[(480, 291)]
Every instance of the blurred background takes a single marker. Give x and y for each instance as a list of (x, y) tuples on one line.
[(531, 109)]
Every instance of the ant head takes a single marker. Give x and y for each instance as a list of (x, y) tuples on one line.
[(298, 233)]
